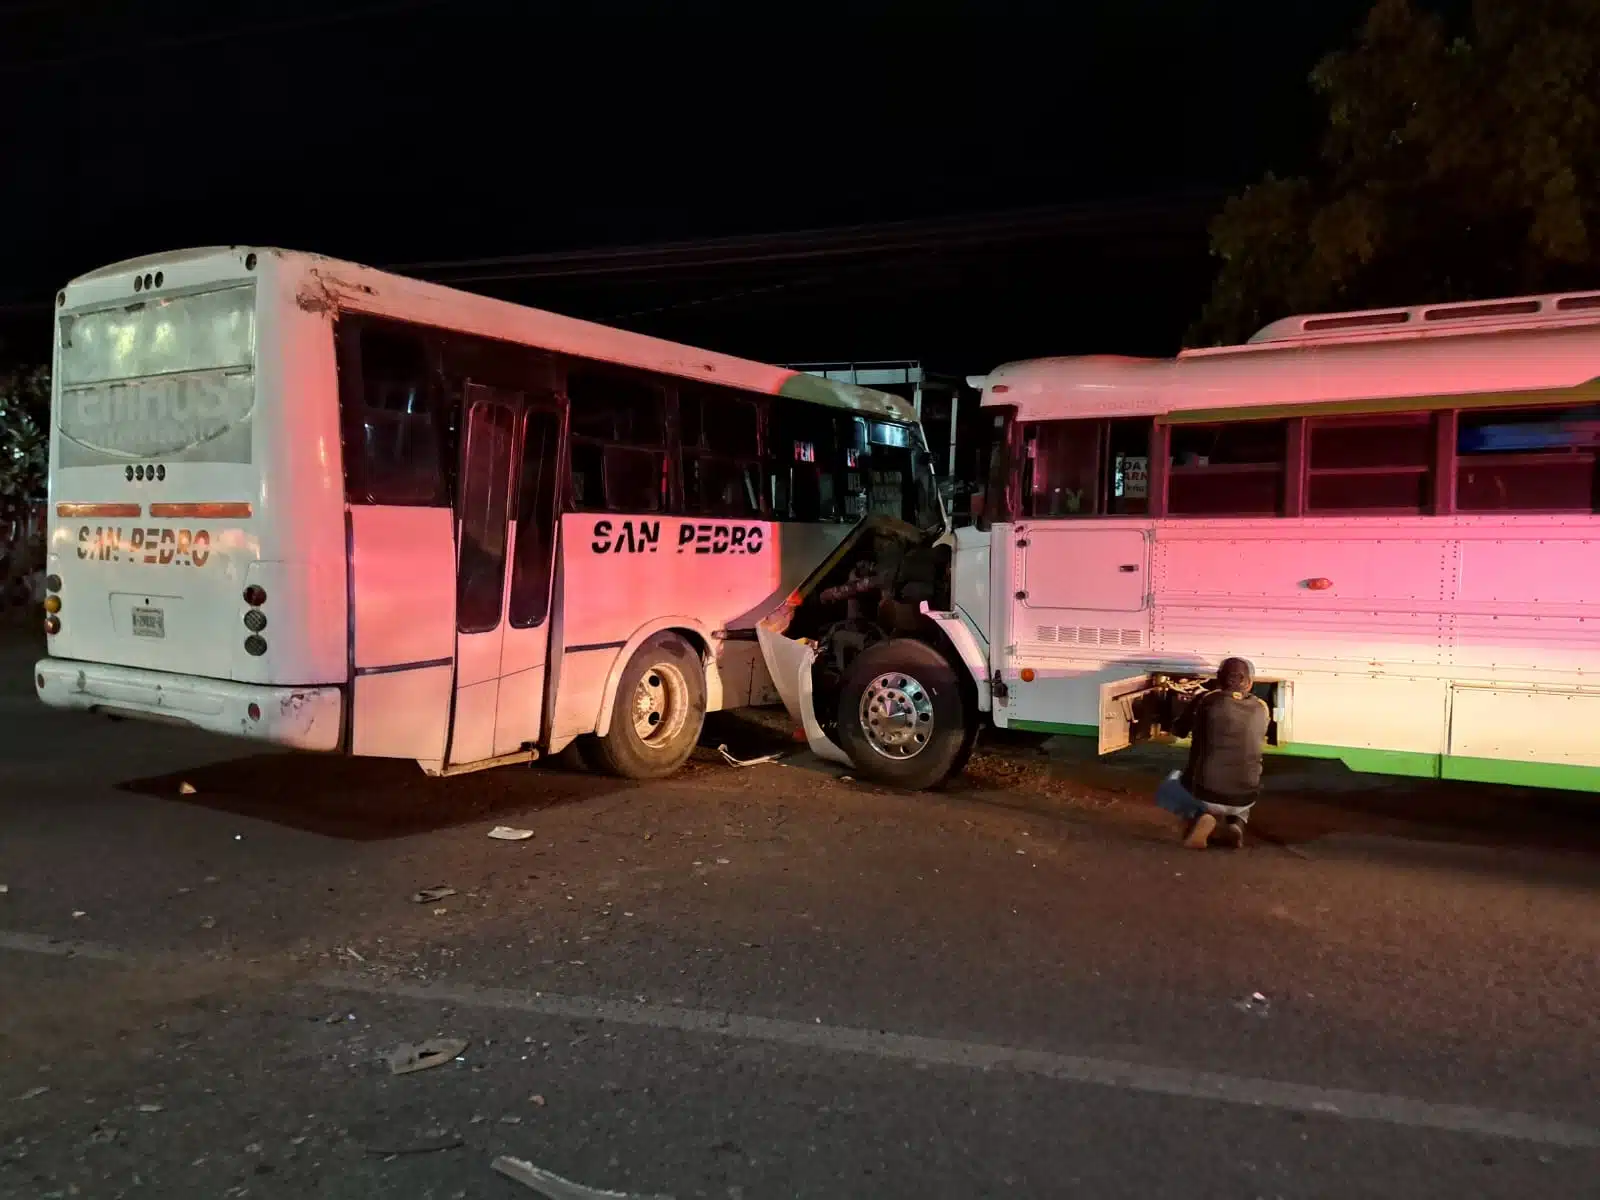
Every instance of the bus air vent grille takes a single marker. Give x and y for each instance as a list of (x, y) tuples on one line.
[(1088, 635)]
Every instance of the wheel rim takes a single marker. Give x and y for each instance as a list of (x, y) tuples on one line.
[(897, 715), (660, 705)]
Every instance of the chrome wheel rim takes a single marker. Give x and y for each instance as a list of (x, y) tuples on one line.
[(897, 715), (660, 705)]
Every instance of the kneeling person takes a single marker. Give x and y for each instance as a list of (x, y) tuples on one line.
[(1216, 790)]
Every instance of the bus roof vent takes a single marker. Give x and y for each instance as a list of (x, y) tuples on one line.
[(1469, 316)]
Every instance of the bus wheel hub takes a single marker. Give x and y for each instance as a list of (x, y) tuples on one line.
[(896, 715)]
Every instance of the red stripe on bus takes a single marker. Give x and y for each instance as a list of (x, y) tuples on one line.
[(97, 510), (228, 509)]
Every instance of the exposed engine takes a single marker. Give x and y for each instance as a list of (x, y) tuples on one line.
[(872, 590)]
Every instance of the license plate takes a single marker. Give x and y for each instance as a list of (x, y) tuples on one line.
[(149, 622)]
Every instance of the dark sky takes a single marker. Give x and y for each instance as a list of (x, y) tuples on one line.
[(404, 133)]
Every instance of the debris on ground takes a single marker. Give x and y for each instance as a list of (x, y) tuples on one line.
[(1255, 1003), (187, 789), (553, 1187), (430, 894), (406, 1058), (4, 888), (536, 1100), (505, 833), (32, 1093), (728, 758), (149, 1108), (431, 1142)]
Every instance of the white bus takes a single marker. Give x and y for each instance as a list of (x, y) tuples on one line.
[(320, 506), (1391, 513)]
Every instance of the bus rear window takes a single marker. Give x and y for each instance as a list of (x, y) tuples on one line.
[(171, 379)]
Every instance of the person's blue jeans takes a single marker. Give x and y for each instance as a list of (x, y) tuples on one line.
[(1175, 798)]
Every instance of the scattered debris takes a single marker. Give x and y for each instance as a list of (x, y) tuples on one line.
[(78, 912), (505, 833), (187, 789), (208, 922), (406, 1058), (349, 952), (32, 1093), (553, 1187), (429, 895), (439, 912), (722, 862), (1255, 1003), (536, 1100), (746, 762), (4, 888), (431, 1142), (149, 1108)]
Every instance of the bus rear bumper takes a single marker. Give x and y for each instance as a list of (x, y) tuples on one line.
[(306, 718)]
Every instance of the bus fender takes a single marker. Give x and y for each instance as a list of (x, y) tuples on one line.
[(964, 642), (698, 632), (789, 661)]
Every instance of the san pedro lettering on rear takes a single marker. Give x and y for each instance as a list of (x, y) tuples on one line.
[(628, 537)]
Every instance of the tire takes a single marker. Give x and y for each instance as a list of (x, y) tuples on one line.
[(658, 712), (899, 679)]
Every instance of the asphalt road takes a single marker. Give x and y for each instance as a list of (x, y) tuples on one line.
[(776, 982)]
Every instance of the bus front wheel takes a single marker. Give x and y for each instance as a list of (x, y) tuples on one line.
[(658, 712), (903, 719)]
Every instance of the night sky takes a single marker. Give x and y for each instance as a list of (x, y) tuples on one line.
[(1042, 173)]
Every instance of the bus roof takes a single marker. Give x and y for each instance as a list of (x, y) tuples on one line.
[(1548, 344), (326, 283)]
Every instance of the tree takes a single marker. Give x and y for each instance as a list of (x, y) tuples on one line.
[(24, 461), (1451, 168)]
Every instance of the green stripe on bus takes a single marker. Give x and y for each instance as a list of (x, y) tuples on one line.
[(1541, 398), (1412, 764), (1055, 727)]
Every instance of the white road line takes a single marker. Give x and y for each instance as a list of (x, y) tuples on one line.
[(944, 1052), (941, 1052), (37, 943)]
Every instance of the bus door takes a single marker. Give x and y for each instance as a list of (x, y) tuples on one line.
[(506, 523)]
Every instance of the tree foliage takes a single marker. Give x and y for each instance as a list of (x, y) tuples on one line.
[(1451, 168), (24, 460)]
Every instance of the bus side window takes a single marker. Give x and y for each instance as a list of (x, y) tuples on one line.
[(805, 463), (1065, 459), (618, 457), (392, 443), (720, 435)]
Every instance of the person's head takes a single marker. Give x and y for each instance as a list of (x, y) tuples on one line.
[(1235, 675)]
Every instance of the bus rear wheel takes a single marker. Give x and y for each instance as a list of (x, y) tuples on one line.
[(658, 712), (903, 719)]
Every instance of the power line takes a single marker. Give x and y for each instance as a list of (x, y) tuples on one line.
[(824, 243)]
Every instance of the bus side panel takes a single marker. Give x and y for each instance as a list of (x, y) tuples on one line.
[(623, 576)]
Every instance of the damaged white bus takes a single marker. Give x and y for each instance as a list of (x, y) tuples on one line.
[(1391, 513), (317, 505)]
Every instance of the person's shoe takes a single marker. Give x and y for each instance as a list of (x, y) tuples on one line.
[(1200, 832), (1231, 835)]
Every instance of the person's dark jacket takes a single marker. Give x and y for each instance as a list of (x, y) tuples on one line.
[(1230, 733)]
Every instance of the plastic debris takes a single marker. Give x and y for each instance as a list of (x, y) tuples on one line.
[(431, 1142), (32, 1093), (406, 1058), (1255, 1003), (187, 789), (728, 758), (505, 833), (429, 895), (553, 1187), (536, 1100), (149, 1108)]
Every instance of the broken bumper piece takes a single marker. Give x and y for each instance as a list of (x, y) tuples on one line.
[(789, 663)]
